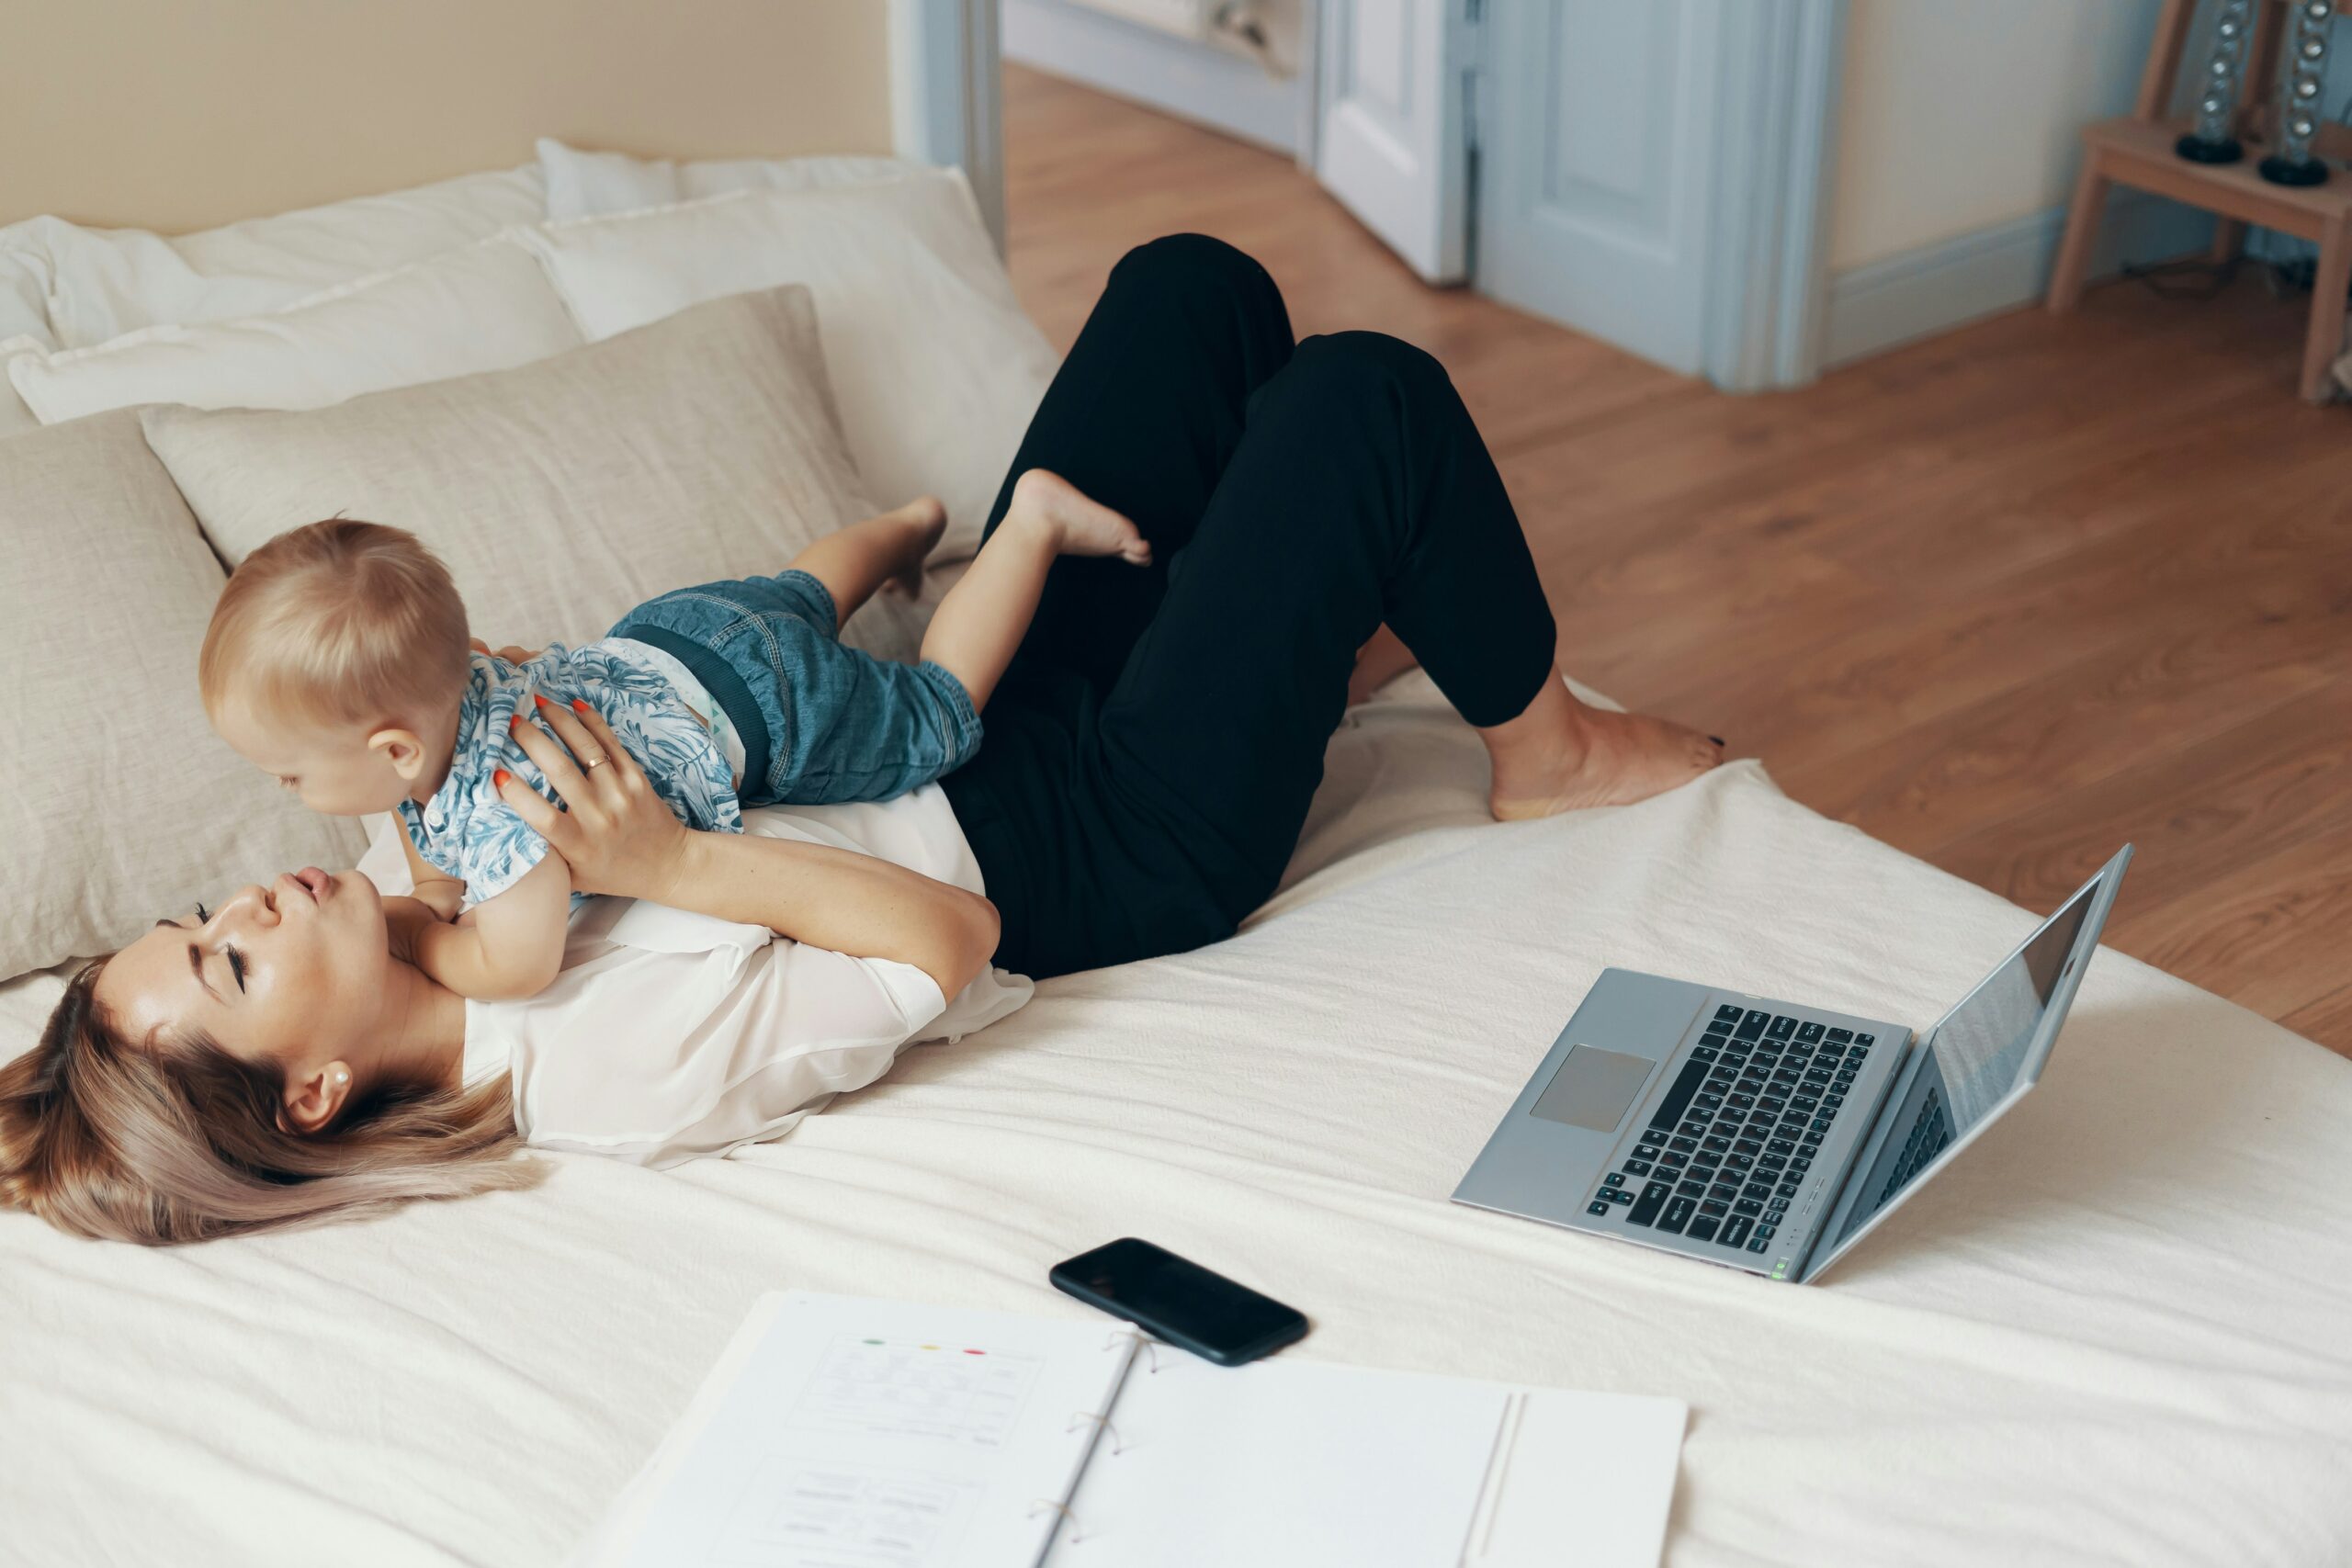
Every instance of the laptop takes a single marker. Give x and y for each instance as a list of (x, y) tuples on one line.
[(1767, 1136)]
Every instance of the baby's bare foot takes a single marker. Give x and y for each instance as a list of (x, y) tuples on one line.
[(1077, 523), (925, 519), (1597, 757)]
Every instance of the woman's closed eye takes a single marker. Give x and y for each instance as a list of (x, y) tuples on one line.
[(235, 957)]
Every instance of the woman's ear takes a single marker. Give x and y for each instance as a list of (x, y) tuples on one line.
[(402, 749), (312, 1103)]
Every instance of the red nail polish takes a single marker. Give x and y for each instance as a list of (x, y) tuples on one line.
[(516, 722), (498, 779), (578, 705), (542, 701)]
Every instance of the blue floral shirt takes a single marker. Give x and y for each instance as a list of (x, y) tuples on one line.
[(466, 831)]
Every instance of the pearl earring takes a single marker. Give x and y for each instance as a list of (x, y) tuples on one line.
[(341, 1077)]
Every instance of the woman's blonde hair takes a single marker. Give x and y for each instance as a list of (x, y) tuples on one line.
[(172, 1139)]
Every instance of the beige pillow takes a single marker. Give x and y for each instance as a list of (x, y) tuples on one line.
[(118, 805), (562, 492), (936, 369)]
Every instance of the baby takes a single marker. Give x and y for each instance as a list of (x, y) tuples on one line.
[(338, 661)]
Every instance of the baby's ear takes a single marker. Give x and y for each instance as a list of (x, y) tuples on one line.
[(402, 749)]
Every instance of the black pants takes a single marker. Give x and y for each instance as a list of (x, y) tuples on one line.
[(1151, 754)]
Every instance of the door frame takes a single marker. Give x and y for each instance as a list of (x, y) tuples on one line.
[(1775, 164), (947, 94), (1768, 273)]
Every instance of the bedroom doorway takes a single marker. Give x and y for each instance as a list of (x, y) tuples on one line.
[(1651, 176)]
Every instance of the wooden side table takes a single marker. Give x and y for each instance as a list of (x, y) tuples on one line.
[(2139, 153), (2137, 150)]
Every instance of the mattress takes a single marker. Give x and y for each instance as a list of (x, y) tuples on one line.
[(2113, 1331)]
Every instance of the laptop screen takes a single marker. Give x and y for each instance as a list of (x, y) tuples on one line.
[(1975, 1059), (1981, 1046)]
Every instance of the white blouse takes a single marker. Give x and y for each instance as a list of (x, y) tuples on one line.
[(670, 1035)]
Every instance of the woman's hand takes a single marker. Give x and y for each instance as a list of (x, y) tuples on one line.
[(512, 654), (618, 836)]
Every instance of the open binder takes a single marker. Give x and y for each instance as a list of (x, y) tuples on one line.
[(842, 1432)]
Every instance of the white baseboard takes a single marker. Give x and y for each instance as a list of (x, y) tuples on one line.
[(1193, 81), (1939, 287)]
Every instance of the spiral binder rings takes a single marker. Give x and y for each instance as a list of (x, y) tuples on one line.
[(837, 1429)]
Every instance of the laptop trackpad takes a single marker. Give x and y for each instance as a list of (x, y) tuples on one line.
[(1593, 1087)]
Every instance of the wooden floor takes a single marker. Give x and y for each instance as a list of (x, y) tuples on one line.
[(2004, 599)]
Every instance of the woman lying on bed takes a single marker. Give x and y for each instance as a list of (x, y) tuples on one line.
[(1148, 764)]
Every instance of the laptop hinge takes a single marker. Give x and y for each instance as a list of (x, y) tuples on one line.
[(1866, 1151)]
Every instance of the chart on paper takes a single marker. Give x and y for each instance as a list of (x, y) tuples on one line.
[(898, 1388), (905, 1392), (844, 1433), (800, 1515)]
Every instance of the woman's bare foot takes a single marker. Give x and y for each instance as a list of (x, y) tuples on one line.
[(1378, 662), (925, 519), (1076, 523), (1561, 755)]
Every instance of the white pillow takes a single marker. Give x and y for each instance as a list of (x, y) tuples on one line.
[(933, 365), (589, 184), (485, 306), (24, 296), (14, 416), (97, 283)]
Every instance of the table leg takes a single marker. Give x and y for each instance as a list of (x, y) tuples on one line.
[(2228, 238), (2082, 229), (2323, 341)]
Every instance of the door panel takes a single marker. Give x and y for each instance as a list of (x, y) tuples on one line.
[(1391, 144), (1597, 168), (1600, 148)]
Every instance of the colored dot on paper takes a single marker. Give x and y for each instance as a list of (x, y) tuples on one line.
[(931, 1346), (873, 1342), (976, 1352)]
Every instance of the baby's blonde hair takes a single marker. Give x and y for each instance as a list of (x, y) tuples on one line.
[(338, 622)]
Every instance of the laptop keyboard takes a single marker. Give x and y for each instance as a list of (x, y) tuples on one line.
[(1731, 1141), (1929, 1133)]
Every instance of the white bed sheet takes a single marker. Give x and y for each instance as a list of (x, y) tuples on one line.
[(2114, 1331)]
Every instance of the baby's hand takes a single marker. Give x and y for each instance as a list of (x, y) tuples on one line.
[(443, 896)]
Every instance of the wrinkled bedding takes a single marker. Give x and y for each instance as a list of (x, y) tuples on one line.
[(2116, 1331)]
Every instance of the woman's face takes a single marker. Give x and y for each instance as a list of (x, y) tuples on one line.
[(291, 974)]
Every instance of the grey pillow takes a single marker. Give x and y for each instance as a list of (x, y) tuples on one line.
[(118, 803), (700, 447)]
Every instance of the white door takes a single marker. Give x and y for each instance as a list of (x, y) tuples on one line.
[(1597, 165), (1391, 135)]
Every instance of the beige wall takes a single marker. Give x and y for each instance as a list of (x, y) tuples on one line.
[(1960, 117), (181, 114)]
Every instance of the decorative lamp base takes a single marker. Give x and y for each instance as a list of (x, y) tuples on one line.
[(2197, 150), (2293, 172)]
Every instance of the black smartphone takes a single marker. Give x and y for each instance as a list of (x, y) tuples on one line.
[(1180, 1301)]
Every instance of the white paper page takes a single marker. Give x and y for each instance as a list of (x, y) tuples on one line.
[(1282, 1463), (840, 1432), (1581, 1481)]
